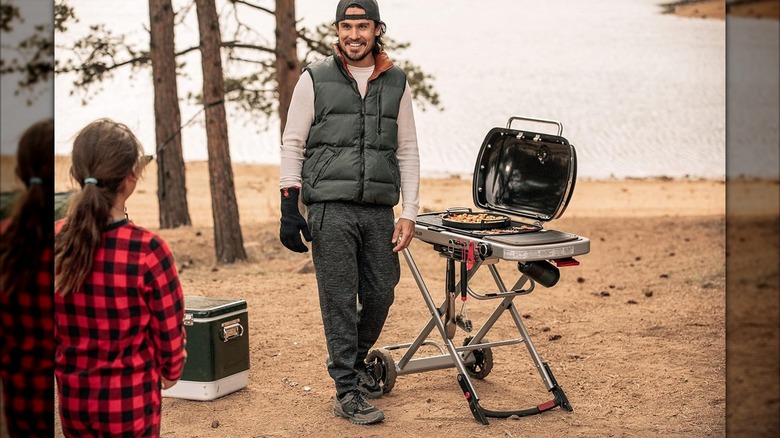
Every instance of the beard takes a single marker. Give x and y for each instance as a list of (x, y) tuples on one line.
[(356, 56)]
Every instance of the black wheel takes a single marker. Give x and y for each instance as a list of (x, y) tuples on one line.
[(483, 360), (381, 364)]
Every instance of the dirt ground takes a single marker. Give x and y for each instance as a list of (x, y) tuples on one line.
[(635, 335)]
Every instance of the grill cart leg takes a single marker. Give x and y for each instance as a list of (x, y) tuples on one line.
[(472, 358), (471, 397), (560, 397)]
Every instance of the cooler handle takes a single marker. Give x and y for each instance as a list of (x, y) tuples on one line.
[(231, 331), (530, 119)]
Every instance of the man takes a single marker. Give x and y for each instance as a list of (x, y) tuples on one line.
[(350, 149)]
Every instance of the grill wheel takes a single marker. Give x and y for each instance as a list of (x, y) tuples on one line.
[(380, 363), (483, 360)]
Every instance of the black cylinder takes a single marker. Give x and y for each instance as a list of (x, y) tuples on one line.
[(485, 250), (540, 271)]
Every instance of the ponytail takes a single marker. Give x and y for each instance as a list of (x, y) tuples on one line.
[(29, 231), (104, 154), (79, 238)]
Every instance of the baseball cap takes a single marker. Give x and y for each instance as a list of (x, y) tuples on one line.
[(370, 6)]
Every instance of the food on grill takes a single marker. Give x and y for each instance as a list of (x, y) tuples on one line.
[(474, 218)]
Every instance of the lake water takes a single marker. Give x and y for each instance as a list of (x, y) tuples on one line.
[(639, 93)]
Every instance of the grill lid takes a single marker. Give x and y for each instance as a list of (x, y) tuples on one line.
[(525, 173)]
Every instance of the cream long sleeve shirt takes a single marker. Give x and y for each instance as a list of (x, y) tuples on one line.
[(299, 120)]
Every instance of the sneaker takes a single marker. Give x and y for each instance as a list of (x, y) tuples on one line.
[(368, 385), (356, 409)]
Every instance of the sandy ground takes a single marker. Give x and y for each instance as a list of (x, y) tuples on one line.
[(635, 335)]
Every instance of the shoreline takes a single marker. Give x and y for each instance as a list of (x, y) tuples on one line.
[(257, 194), (256, 189), (8, 180)]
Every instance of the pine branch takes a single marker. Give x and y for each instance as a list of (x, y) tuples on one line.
[(254, 6)]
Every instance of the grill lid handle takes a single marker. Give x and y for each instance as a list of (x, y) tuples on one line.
[(456, 210), (530, 119)]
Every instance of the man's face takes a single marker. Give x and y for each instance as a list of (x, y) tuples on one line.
[(357, 39)]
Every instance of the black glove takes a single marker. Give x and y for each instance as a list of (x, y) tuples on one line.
[(292, 222)]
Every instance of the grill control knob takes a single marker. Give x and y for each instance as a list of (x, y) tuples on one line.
[(485, 250)]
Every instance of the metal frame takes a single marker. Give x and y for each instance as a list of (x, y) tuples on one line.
[(533, 249), (459, 357)]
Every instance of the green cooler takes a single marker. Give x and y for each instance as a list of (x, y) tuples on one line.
[(217, 349)]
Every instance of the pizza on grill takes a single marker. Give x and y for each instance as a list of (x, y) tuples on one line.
[(474, 218)]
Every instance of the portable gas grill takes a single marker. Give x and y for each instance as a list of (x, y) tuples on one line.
[(521, 180)]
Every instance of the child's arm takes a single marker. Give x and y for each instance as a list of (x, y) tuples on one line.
[(166, 303)]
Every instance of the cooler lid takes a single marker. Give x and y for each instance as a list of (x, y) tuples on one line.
[(525, 173), (205, 307)]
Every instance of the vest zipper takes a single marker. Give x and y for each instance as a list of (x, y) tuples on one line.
[(379, 113), (362, 145), (362, 131)]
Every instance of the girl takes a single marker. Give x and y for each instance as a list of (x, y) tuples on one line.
[(118, 303), (26, 299)]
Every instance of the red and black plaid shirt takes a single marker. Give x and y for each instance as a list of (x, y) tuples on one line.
[(118, 335), (27, 352)]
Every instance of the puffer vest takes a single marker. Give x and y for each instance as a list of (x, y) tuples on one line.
[(350, 150)]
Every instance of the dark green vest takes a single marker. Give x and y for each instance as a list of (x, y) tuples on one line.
[(350, 151)]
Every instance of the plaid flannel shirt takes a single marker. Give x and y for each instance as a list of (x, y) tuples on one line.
[(118, 335), (27, 352)]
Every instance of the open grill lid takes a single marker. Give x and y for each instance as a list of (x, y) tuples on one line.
[(524, 173)]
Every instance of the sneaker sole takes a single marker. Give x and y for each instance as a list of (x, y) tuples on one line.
[(357, 421)]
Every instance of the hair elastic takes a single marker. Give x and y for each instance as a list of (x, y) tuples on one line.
[(90, 180), (35, 180)]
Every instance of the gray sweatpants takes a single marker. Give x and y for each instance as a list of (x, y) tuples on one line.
[(357, 272)]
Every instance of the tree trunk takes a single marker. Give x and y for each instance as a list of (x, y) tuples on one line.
[(287, 67), (228, 241), (171, 184)]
